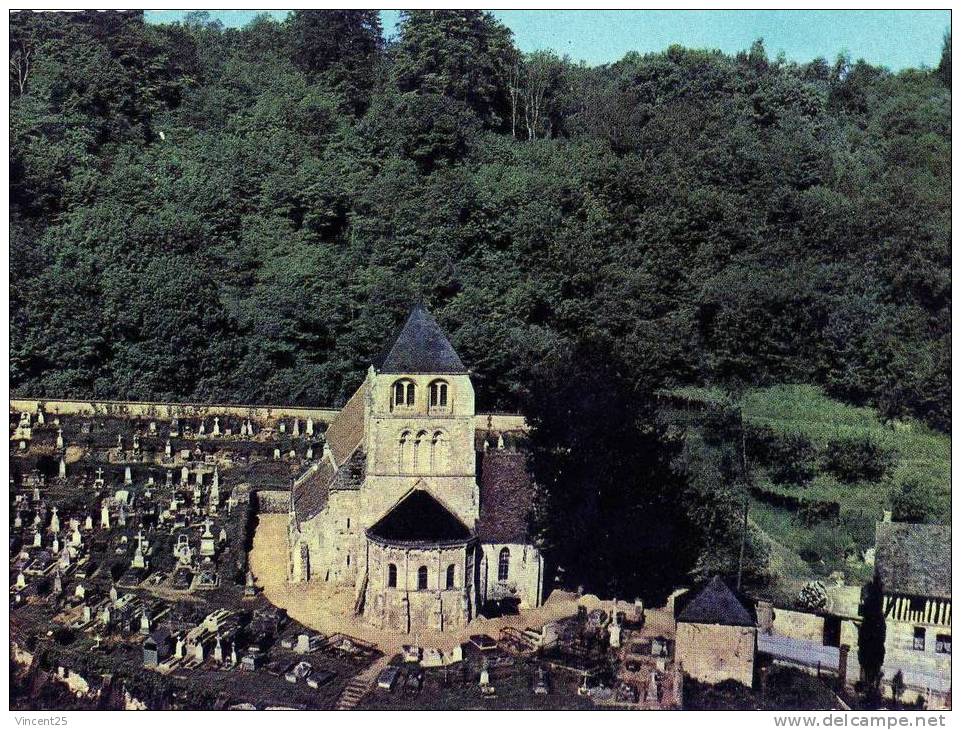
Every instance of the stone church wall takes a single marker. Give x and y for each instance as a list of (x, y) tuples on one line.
[(404, 607), (525, 574)]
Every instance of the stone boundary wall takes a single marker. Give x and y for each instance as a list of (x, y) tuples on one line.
[(133, 409), (273, 501)]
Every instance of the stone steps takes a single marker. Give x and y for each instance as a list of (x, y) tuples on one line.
[(353, 693), (360, 685)]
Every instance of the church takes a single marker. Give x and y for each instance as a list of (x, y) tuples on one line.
[(416, 503)]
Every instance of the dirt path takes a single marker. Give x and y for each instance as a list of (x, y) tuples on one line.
[(329, 610)]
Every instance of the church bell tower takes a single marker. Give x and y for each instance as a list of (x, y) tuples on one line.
[(420, 423)]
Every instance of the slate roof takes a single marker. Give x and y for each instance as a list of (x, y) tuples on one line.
[(350, 475), (715, 603), (311, 493), (419, 517), (420, 347), (506, 497), (346, 430), (913, 559)]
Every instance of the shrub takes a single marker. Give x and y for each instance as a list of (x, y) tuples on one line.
[(789, 457), (857, 460), (913, 502)]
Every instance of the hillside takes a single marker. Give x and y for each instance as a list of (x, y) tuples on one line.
[(802, 549)]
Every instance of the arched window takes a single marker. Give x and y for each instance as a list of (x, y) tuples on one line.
[(422, 578), (404, 391), (504, 564), (450, 575), (439, 452), (438, 394), (391, 575), (404, 453), (422, 445)]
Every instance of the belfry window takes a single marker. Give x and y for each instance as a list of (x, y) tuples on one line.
[(438, 394), (504, 564), (450, 576), (391, 575), (422, 578), (404, 393)]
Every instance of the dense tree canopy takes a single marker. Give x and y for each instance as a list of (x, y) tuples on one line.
[(245, 215)]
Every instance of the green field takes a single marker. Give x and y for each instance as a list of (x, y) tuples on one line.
[(801, 552)]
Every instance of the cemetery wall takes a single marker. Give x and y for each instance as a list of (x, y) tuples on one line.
[(273, 501), (146, 409)]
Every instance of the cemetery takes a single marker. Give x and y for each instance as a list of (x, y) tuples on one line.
[(148, 569)]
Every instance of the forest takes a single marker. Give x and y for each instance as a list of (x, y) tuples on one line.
[(246, 215)]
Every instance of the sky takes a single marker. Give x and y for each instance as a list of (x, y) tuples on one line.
[(894, 38)]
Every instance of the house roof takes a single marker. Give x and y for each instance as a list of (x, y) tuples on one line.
[(506, 497), (913, 559), (715, 603), (419, 517), (420, 347)]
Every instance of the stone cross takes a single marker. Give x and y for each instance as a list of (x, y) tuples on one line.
[(55, 521), (99, 474), (216, 429)]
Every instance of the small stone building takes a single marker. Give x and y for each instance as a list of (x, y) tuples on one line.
[(393, 507), (716, 636), (913, 568)]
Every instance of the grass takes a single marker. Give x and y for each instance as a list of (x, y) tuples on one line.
[(922, 452)]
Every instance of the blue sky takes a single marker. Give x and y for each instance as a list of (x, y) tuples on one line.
[(893, 38)]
